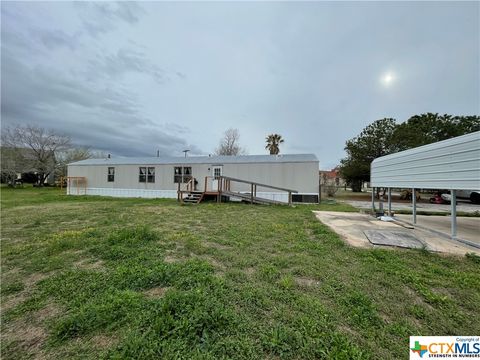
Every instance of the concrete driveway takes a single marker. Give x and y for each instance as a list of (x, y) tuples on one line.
[(462, 206), (351, 227), (468, 228)]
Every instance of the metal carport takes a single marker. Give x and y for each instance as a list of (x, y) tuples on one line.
[(452, 164)]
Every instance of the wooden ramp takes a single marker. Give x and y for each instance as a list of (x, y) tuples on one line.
[(224, 192), (252, 199)]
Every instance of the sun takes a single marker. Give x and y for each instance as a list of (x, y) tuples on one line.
[(388, 78)]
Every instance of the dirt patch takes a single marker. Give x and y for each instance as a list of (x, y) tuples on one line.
[(216, 264), (28, 337), (171, 259), (88, 264), (443, 291), (11, 301), (385, 318), (15, 271), (249, 271), (347, 330), (14, 300), (417, 299), (304, 281), (155, 292), (48, 312), (103, 341), (29, 333), (34, 278), (216, 245)]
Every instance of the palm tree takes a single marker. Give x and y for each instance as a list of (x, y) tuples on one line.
[(273, 142)]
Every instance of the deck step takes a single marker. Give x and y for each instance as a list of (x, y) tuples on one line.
[(193, 197)]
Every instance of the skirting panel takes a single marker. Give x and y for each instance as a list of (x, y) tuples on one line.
[(142, 193), (282, 196), (169, 194)]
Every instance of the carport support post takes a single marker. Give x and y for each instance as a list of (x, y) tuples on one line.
[(373, 200), (414, 205), (389, 201), (453, 202)]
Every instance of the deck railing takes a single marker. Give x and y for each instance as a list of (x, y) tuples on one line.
[(224, 187), (188, 187)]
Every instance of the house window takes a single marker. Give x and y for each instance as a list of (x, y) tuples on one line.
[(182, 174), (187, 174), (142, 174), (146, 174), (177, 174), (151, 174), (111, 174)]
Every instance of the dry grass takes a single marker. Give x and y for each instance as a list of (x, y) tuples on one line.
[(156, 292)]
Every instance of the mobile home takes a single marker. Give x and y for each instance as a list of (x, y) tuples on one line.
[(163, 177)]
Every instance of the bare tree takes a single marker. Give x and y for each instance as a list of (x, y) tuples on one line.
[(35, 148), (229, 144), (66, 157)]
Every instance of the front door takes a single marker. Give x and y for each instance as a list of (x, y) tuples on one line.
[(216, 173)]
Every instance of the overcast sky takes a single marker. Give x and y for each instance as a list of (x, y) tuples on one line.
[(131, 78)]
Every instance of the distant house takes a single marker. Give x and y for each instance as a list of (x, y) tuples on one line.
[(22, 163), (331, 177), (163, 177)]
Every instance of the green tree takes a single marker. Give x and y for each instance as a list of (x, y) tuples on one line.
[(374, 141), (428, 128), (385, 136), (273, 143)]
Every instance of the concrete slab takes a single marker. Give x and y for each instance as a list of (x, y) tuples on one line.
[(394, 238), (467, 207), (468, 228), (351, 227)]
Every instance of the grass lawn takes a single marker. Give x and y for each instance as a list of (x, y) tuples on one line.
[(90, 277)]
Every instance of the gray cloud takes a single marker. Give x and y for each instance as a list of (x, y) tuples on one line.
[(95, 117), (124, 61), (102, 17), (130, 79), (52, 39), (86, 100)]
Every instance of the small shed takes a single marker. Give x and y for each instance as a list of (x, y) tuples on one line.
[(452, 164), (166, 177)]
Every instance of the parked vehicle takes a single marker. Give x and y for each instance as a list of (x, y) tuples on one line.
[(472, 195), (440, 198)]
